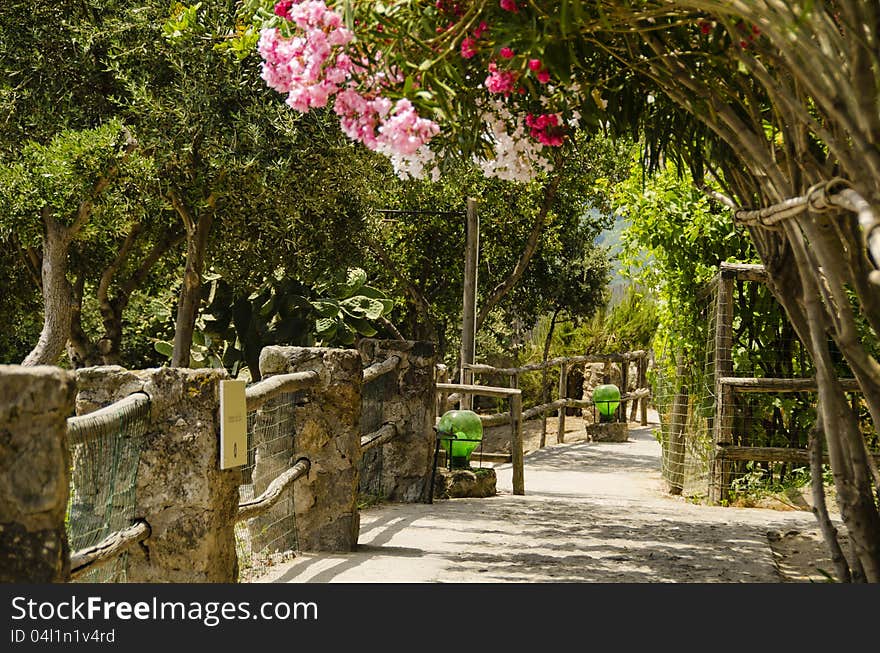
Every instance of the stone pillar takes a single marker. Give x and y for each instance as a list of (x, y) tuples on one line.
[(328, 434), (405, 397), (35, 403), (189, 503)]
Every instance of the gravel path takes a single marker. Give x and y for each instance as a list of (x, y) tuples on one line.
[(593, 512)]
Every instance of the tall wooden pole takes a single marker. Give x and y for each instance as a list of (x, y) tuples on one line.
[(675, 452), (516, 444), (469, 302)]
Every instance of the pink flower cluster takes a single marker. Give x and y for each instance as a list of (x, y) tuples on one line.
[(537, 67), (545, 129), (509, 5), (382, 126), (469, 46), (404, 132), (500, 81), (312, 66)]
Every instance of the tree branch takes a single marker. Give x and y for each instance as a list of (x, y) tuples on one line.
[(422, 304), (85, 208), (528, 251), (183, 211), (107, 277)]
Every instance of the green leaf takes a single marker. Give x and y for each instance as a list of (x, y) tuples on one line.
[(325, 324), (355, 278), (360, 306), (164, 348), (326, 308), (363, 327)]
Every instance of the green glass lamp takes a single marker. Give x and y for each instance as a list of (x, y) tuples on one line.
[(461, 432), (606, 398)]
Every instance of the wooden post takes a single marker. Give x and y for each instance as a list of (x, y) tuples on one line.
[(643, 383), (516, 444), (723, 392), (624, 382), (442, 397), (563, 391), (469, 302), (635, 404)]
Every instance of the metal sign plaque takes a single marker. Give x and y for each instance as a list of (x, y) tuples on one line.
[(233, 424)]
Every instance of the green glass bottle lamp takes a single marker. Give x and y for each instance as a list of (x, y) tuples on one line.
[(606, 398), (460, 433)]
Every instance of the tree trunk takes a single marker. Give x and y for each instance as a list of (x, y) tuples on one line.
[(529, 250), (852, 479), (110, 344), (190, 292), (56, 296), (820, 510), (80, 349)]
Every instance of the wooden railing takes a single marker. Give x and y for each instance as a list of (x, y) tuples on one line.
[(638, 398), (514, 396), (275, 490)]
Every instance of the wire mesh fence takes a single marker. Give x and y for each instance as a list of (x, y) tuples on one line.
[(736, 408), (105, 459), (373, 394), (684, 396), (271, 437)]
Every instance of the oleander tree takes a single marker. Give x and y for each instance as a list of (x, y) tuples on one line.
[(773, 106)]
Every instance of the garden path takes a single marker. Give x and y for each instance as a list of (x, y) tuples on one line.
[(593, 512)]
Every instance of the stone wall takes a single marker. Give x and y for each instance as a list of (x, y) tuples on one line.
[(34, 473), (328, 434), (188, 501), (401, 469)]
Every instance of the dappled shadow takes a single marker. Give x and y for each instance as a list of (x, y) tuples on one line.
[(591, 513), (583, 541), (593, 457), (387, 525)]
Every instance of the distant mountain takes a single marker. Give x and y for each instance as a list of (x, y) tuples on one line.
[(611, 238)]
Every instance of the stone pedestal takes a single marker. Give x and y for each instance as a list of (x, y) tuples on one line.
[(607, 432), (460, 483)]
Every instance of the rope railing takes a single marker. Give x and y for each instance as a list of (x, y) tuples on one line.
[(271, 495), (376, 370), (262, 391), (554, 362), (498, 419), (108, 549), (106, 421), (382, 435)]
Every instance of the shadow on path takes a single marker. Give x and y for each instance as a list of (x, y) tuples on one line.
[(593, 512)]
